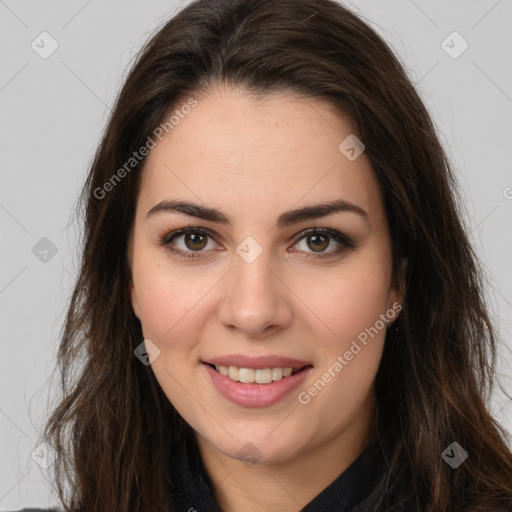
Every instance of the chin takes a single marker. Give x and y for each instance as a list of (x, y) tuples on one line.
[(257, 449)]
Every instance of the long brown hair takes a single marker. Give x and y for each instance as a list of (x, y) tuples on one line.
[(115, 431)]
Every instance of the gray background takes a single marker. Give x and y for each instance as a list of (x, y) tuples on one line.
[(53, 111)]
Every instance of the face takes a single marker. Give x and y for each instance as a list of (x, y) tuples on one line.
[(252, 286)]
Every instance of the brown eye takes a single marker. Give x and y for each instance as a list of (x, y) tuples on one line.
[(195, 241), (192, 242), (318, 242), (187, 243), (315, 242)]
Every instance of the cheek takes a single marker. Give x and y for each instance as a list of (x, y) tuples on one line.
[(349, 300), (167, 300), (351, 306), (348, 359)]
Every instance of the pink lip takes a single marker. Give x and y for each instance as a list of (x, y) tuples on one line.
[(256, 395), (243, 361)]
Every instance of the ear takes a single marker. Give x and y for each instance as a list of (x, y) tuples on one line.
[(398, 290), (133, 293), (135, 302)]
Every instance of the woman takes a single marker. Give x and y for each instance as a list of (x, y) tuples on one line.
[(278, 306)]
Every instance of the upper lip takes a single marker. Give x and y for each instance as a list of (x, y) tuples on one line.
[(245, 361)]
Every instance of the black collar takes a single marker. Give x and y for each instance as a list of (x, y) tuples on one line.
[(351, 487), (194, 490)]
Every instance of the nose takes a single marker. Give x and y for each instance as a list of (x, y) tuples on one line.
[(256, 300)]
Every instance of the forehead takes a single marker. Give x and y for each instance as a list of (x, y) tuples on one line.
[(240, 154)]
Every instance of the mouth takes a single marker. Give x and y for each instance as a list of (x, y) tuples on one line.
[(257, 375), (257, 382)]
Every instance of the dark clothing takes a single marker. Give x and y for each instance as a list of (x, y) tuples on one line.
[(347, 491), (194, 490)]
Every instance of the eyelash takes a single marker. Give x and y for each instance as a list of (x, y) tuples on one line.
[(343, 240)]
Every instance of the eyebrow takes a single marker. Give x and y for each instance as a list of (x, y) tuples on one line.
[(285, 219)]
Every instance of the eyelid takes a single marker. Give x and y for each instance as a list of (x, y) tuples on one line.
[(343, 240), (166, 238), (333, 233)]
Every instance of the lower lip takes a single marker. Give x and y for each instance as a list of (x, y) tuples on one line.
[(256, 395)]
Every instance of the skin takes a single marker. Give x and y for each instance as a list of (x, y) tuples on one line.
[(253, 160)]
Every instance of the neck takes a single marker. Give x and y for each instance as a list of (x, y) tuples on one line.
[(287, 485)]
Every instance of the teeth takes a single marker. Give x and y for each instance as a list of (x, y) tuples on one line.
[(260, 376), (246, 375), (277, 373), (263, 376), (233, 372)]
